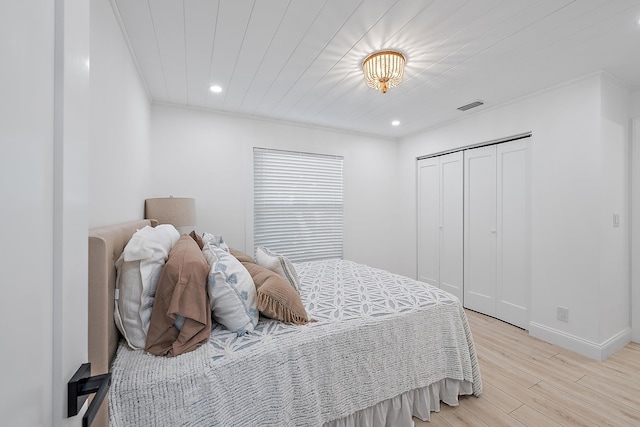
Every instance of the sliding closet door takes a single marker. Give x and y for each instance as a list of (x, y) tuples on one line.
[(440, 222), (513, 267), (429, 221), (480, 230), (452, 223)]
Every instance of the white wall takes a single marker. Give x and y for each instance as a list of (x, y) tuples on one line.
[(120, 150), (209, 156), (635, 103), (615, 288), (635, 215), (567, 219)]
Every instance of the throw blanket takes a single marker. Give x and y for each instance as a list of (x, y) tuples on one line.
[(378, 335)]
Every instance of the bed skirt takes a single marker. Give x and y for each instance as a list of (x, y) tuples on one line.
[(400, 410)]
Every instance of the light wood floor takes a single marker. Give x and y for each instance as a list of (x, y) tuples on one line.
[(528, 382)]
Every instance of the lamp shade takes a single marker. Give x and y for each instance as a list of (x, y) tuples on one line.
[(178, 211)]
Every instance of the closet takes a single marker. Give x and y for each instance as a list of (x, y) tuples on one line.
[(473, 227)]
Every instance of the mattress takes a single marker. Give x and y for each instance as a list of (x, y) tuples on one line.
[(377, 335)]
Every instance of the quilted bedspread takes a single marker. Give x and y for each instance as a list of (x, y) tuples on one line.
[(377, 335)]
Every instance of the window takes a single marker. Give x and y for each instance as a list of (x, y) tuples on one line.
[(297, 204)]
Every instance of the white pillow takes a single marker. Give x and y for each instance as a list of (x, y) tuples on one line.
[(139, 268), (216, 240), (278, 264), (128, 295), (232, 293)]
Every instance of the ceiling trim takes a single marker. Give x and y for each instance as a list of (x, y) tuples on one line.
[(276, 121)]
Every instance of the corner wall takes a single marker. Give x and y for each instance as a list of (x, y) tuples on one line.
[(635, 216), (209, 156), (569, 179), (120, 149), (615, 290)]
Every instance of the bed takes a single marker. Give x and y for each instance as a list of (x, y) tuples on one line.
[(383, 348)]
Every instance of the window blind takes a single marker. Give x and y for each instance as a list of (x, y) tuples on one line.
[(298, 204)]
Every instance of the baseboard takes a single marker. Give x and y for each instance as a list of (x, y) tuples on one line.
[(584, 347)]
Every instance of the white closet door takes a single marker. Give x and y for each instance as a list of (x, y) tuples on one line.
[(429, 221), (452, 222), (513, 254), (440, 222), (480, 229)]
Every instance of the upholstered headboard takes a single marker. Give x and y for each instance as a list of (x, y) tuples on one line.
[(105, 246)]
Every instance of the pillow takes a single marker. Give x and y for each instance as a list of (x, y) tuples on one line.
[(181, 318), (276, 298), (138, 269), (241, 256), (126, 313), (232, 293), (197, 238), (279, 264), (215, 240)]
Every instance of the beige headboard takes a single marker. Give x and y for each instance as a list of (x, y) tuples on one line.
[(105, 246)]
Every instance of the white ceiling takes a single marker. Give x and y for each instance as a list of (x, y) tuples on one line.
[(300, 60)]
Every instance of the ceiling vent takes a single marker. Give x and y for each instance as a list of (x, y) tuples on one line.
[(470, 106)]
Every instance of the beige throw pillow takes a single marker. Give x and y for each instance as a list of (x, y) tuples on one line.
[(276, 297)]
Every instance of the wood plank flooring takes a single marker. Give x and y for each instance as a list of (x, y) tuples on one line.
[(528, 382)]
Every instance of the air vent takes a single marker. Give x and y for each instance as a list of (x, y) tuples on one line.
[(470, 106)]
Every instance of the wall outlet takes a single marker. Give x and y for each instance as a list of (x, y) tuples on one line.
[(563, 314)]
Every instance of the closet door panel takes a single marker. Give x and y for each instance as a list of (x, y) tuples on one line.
[(480, 230), (429, 221), (513, 254), (452, 221)]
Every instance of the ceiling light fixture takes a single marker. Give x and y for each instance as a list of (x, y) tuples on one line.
[(215, 88), (383, 70), (395, 123)]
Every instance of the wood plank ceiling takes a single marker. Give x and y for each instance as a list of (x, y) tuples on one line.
[(300, 60)]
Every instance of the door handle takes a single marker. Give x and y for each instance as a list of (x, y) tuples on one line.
[(80, 386)]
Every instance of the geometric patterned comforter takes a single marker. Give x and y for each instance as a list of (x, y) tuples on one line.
[(377, 335)]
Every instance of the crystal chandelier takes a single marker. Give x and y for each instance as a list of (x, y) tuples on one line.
[(383, 70)]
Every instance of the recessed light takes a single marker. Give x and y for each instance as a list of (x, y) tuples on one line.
[(215, 88), (395, 123)]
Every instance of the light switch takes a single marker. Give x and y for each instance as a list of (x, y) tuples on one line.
[(616, 220)]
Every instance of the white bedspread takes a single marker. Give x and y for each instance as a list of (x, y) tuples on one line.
[(378, 335)]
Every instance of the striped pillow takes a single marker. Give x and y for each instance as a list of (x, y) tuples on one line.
[(278, 264)]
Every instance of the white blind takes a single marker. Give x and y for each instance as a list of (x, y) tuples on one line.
[(297, 204)]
